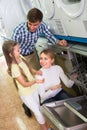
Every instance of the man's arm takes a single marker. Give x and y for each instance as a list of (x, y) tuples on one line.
[(49, 35)]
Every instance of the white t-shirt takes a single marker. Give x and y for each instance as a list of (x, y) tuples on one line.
[(52, 76)]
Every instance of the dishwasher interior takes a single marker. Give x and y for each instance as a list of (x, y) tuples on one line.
[(74, 63), (63, 117), (70, 114)]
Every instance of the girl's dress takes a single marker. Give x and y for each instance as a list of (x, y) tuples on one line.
[(29, 95)]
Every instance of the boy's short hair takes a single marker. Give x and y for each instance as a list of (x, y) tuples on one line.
[(34, 15)]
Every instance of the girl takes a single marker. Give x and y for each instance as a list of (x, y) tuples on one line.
[(22, 73), (51, 89)]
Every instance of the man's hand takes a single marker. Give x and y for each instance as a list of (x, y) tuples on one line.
[(63, 43)]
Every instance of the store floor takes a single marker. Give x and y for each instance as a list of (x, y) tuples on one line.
[(12, 116)]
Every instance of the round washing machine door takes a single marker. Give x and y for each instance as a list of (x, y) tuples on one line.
[(27, 4), (11, 15), (73, 8), (47, 7)]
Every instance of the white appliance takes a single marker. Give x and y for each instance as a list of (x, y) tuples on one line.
[(12, 14), (73, 15), (67, 18)]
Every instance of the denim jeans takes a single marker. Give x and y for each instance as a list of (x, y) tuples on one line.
[(59, 96)]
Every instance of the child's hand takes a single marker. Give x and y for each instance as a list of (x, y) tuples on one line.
[(39, 72), (73, 76), (39, 81), (56, 87)]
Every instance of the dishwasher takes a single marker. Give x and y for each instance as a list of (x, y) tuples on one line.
[(70, 114)]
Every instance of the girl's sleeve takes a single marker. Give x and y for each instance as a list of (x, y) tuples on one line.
[(68, 82), (15, 71)]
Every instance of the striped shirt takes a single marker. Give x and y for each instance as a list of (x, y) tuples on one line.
[(27, 39)]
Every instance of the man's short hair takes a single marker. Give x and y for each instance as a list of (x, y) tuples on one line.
[(34, 15)]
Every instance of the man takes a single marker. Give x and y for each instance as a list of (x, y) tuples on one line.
[(27, 34)]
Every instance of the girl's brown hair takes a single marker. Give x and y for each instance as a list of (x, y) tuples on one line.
[(49, 52), (8, 48)]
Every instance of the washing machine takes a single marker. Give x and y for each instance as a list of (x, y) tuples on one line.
[(49, 10), (67, 19), (12, 13), (73, 17), (28, 4), (53, 21)]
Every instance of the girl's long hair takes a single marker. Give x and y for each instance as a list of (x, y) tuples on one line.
[(8, 48)]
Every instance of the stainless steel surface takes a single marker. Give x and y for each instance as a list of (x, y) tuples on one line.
[(72, 47), (79, 49), (78, 107), (62, 117)]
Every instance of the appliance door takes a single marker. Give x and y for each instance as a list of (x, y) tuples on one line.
[(12, 14), (73, 8), (47, 7)]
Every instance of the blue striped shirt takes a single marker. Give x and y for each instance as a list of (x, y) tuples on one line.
[(27, 39)]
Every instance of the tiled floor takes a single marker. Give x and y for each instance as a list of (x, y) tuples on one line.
[(12, 116)]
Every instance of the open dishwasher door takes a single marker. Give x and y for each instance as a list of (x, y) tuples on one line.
[(62, 117)]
